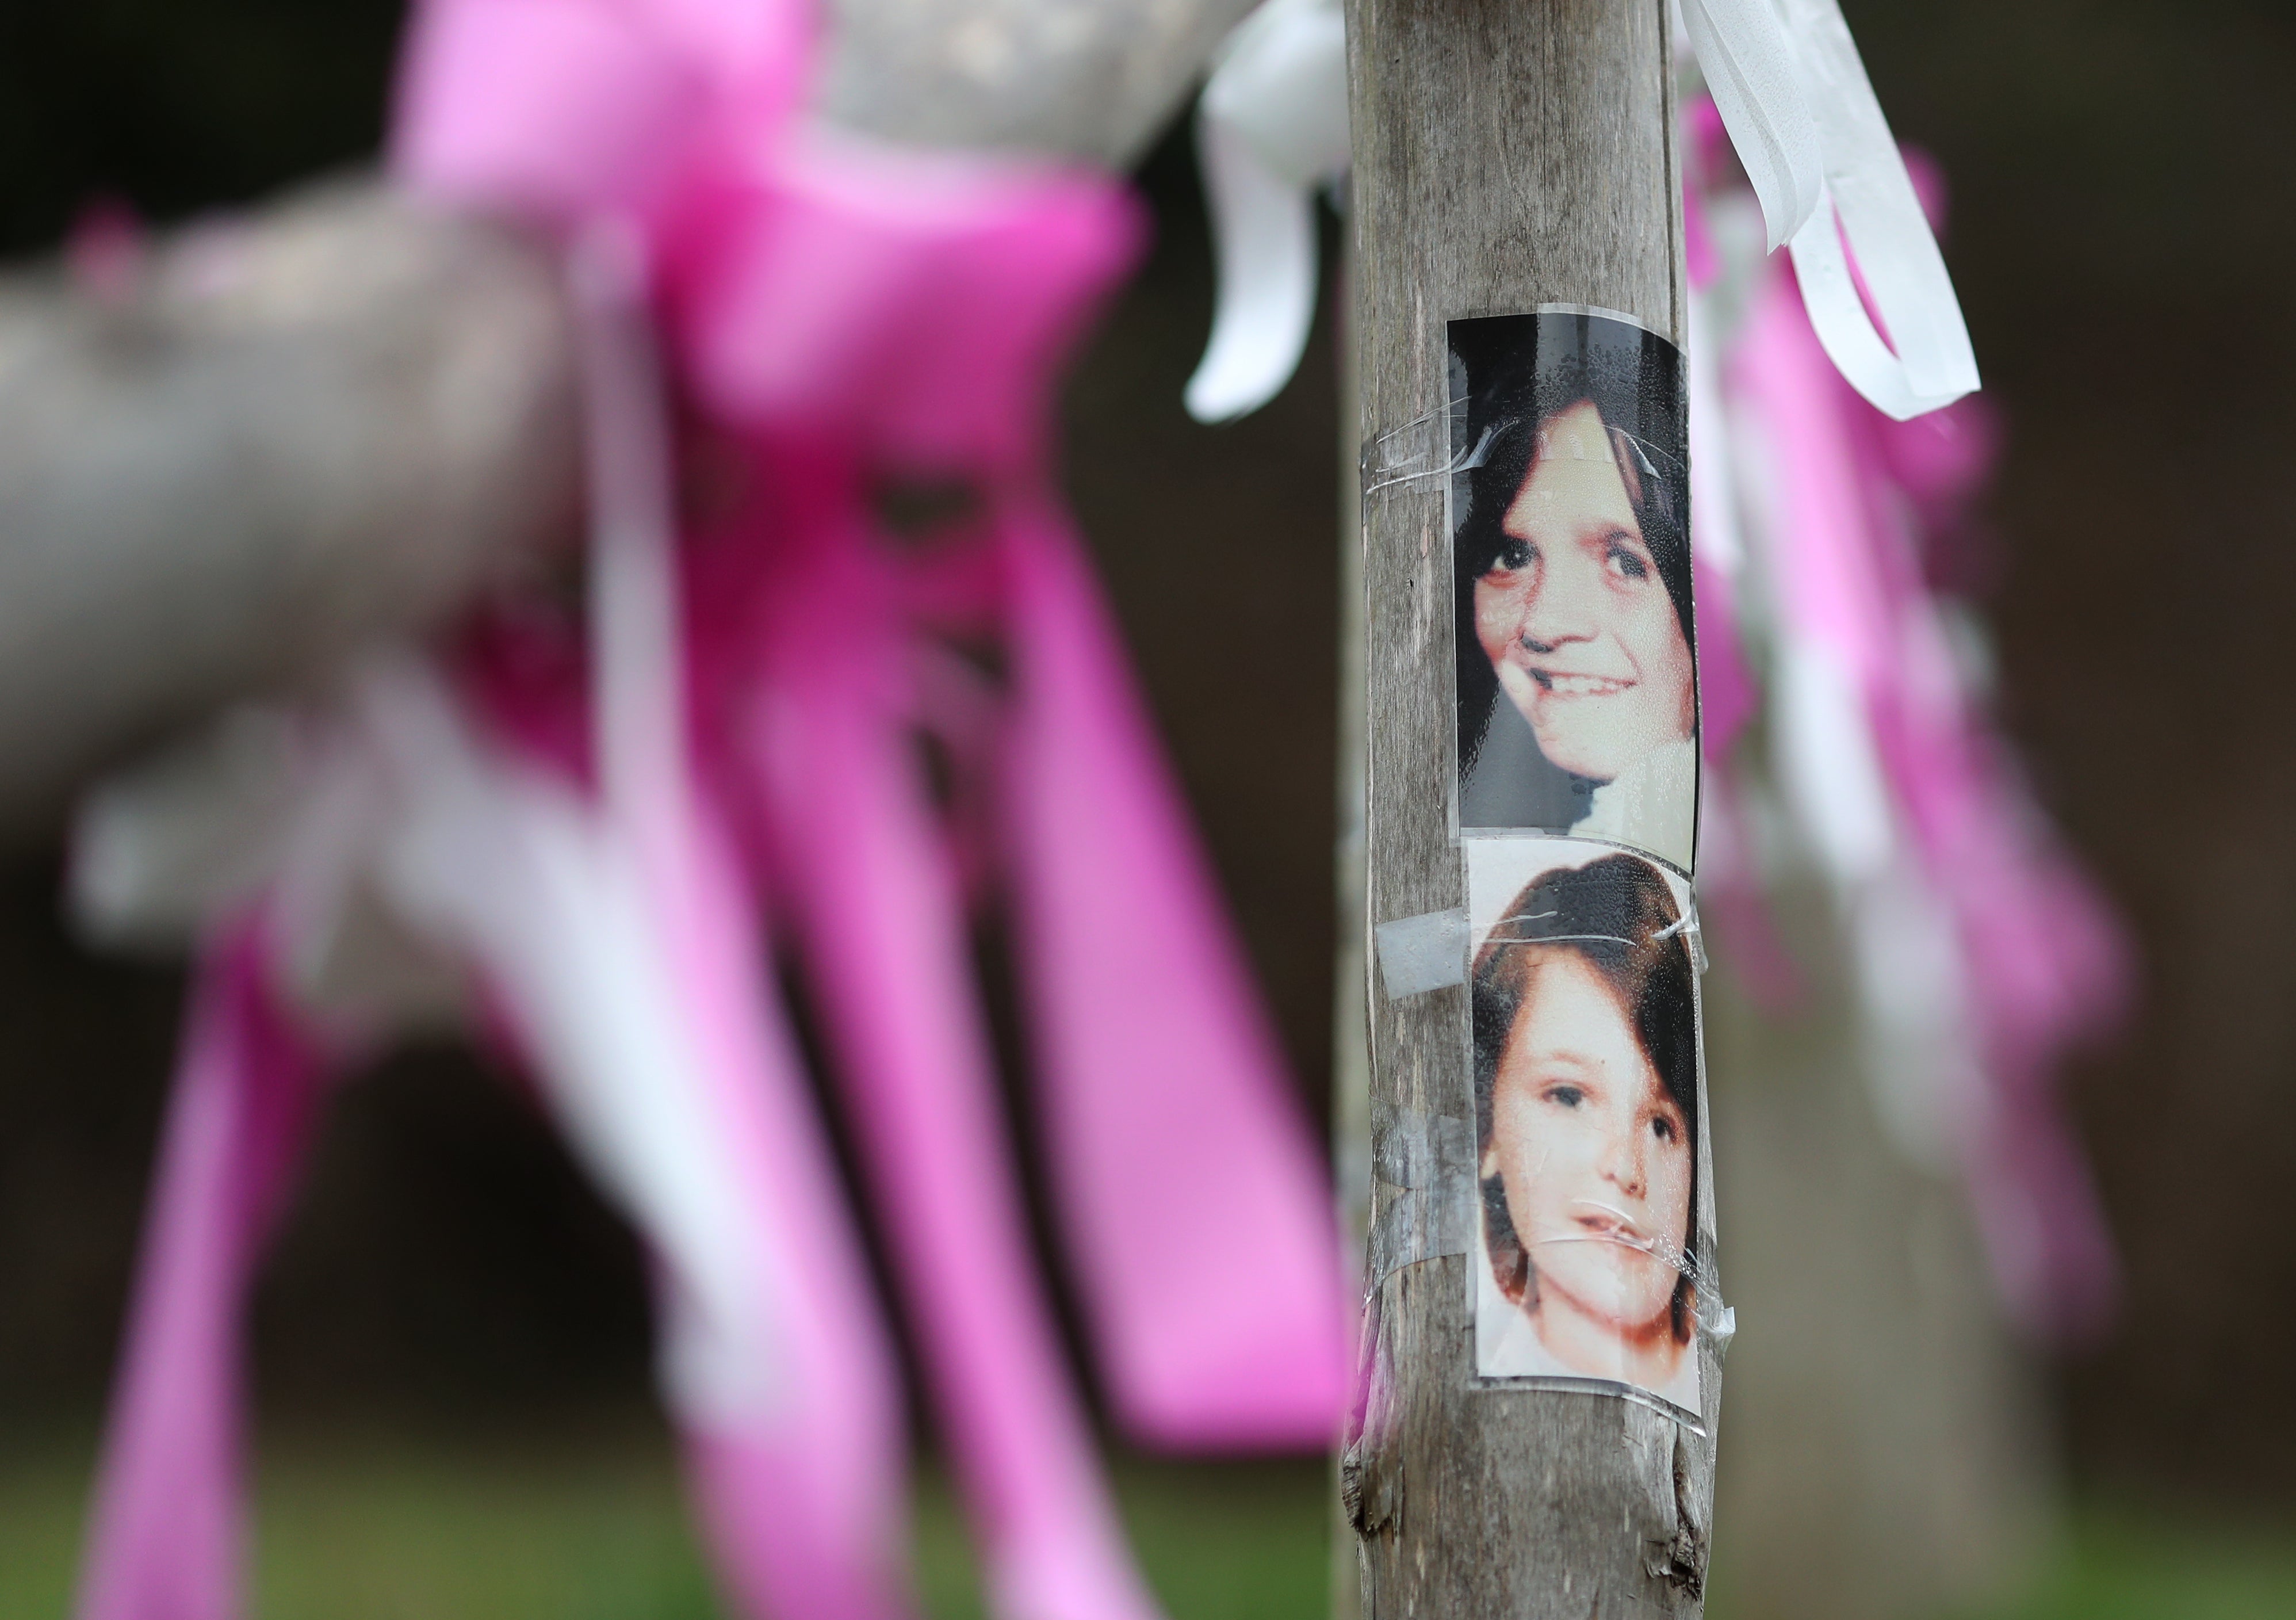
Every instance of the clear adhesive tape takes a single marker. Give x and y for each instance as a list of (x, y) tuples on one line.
[(1428, 1162), (1417, 954)]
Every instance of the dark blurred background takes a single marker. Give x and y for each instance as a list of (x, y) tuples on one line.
[(2122, 233)]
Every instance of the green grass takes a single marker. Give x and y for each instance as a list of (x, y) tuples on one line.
[(2118, 1564), (591, 1528), (381, 1532)]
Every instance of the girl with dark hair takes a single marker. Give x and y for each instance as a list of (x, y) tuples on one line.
[(1586, 1064), (1573, 583)]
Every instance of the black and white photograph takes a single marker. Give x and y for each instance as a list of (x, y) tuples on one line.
[(1570, 517), (1584, 1063)]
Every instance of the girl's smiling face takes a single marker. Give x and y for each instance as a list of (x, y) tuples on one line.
[(1574, 616), (1593, 1153)]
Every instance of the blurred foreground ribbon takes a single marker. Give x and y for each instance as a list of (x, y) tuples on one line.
[(577, 827)]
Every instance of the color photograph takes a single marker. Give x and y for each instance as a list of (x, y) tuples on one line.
[(1570, 499), (1584, 1014)]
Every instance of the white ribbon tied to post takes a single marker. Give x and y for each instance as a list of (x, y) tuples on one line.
[(1787, 79), (1272, 126)]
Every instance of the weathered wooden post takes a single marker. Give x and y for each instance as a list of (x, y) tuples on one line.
[(1509, 154)]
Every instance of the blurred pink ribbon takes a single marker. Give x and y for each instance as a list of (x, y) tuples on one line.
[(595, 821), (1888, 759)]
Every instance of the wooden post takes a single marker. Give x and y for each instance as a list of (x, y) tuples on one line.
[(1350, 1058), (1508, 153)]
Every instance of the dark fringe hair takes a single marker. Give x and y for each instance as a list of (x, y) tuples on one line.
[(1511, 376)]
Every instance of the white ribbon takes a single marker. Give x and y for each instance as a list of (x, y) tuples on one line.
[(1786, 77), (512, 869), (398, 847), (1272, 126), (1794, 94), (1752, 73), (637, 718), (1932, 363)]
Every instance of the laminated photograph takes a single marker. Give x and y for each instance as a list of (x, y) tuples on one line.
[(1584, 1046), (1569, 521)]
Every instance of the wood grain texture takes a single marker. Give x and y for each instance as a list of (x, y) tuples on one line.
[(1508, 153), (1350, 1058)]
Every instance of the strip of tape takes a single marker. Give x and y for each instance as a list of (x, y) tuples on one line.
[(1418, 1151), (1429, 1161), (1419, 1223), (1693, 935), (1417, 954)]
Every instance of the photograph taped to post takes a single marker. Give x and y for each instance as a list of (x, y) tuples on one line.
[(1568, 505), (1582, 1008)]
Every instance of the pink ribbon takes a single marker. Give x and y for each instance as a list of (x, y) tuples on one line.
[(164, 1533), (2043, 962), (834, 314)]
